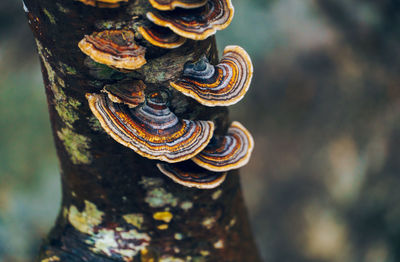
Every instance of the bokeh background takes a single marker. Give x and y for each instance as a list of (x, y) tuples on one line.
[(324, 108)]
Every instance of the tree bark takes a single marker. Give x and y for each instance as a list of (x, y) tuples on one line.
[(116, 205)]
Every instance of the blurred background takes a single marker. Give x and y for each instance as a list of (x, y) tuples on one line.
[(324, 108)]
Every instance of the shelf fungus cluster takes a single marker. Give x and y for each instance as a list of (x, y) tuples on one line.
[(114, 48), (196, 19), (187, 151), (193, 156), (152, 130), (161, 36), (220, 85)]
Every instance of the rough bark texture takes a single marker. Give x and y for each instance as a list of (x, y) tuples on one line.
[(116, 205)]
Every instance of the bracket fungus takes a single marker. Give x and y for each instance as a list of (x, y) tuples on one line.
[(103, 3), (188, 174), (221, 85), (198, 23), (152, 130), (128, 93), (228, 152), (166, 5), (161, 37), (115, 48)]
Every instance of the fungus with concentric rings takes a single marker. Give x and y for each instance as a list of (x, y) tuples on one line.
[(198, 23), (190, 175), (165, 5), (130, 93), (221, 85), (161, 36), (152, 130), (115, 48), (228, 152)]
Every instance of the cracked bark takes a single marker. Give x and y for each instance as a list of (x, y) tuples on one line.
[(116, 205)]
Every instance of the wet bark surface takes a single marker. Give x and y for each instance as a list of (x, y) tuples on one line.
[(116, 205)]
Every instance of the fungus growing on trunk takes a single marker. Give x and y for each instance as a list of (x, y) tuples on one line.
[(116, 205), (166, 5), (221, 85), (228, 152), (103, 3), (198, 23), (115, 48), (161, 36), (152, 130), (190, 175), (130, 93)]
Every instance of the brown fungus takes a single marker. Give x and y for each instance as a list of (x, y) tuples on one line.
[(221, 85), (198, 23), (103, 3), (161, 36), (228, 152), (130, 93), (190, 175), (166, 5), (152, 130), (115, 48)]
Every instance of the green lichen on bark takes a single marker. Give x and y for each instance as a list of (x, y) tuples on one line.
[(76, 145), (67, 111), (159, 197), (65, 106), (49, 16)]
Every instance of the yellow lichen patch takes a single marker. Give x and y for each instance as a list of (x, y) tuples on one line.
[(62, 8), (148, 256), (65, 212), (231, 223), (204, 253), (135, 220), (216, 194), (178, 236), (86, 220), (209, 222), (219, 244), (163, 227), (150, 182), (164, 216)]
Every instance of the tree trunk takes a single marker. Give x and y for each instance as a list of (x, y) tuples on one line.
[(116, 205)]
